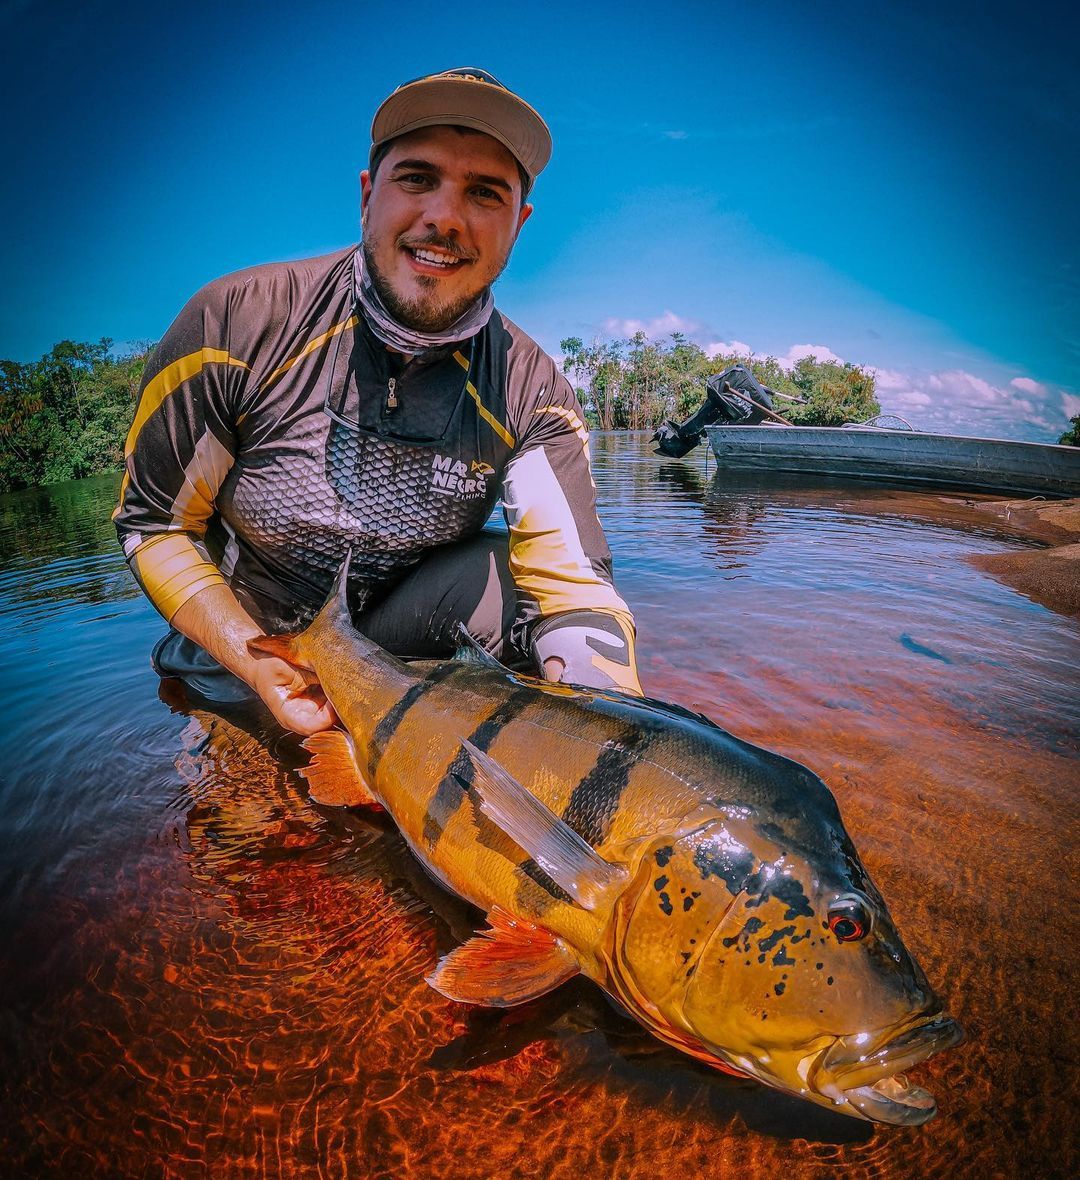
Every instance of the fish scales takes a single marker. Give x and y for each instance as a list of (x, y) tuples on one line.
[(471, 853), (705, 883)]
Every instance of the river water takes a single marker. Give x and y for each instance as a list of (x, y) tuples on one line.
[(204, 974)]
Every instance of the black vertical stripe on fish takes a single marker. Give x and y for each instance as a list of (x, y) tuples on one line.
[(449, 793), (535, 873), (592, 806), (595, 799), (394, 716)]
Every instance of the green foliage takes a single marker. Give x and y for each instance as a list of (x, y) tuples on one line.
[(66, 415), (635, 384), (1071, 437)]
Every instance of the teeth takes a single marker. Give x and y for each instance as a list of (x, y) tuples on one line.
[(434, 259)]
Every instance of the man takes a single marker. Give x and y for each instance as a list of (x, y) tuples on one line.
[(375, 400)]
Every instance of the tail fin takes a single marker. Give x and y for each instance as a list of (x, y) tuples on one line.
[(282, 646), (288, 647), (334, 615), (336, 607)]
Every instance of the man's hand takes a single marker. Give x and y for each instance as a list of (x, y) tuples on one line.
[(216, 621), (297, 704)]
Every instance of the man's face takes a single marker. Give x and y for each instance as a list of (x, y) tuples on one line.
[(439, 219)]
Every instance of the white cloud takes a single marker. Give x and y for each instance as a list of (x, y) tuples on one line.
[(954, 401), (963, 388), (727, 348), (910, 399), (677, 134), (948, 401), (659, 326), (890, 379), (798, 351)]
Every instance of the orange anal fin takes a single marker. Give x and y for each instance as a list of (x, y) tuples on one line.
[(334, 779), (511, 963)]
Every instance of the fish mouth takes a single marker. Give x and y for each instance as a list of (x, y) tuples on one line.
[(865, 1073)]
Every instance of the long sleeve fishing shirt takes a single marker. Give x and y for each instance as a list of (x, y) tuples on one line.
[(274, 432)]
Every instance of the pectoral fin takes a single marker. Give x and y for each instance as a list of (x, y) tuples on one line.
[(334, 779), (511, 963), (550, 841)]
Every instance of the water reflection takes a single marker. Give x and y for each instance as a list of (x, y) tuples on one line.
[(202, 972)]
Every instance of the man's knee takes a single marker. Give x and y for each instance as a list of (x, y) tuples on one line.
[(468, 584)]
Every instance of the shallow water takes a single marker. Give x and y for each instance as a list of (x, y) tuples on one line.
[(202, 973)]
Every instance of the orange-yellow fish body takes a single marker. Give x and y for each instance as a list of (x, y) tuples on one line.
[(705, 883)]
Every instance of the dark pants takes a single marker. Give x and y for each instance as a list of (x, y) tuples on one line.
[(467, 583)]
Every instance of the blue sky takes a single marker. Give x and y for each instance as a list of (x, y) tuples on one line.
[(890, 184)]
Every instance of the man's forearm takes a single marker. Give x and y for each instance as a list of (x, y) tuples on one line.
[(216, 621)]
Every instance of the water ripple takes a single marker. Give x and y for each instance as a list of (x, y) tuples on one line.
[(205, 973)]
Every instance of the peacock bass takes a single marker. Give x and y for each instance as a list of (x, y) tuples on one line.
[(708, 885)]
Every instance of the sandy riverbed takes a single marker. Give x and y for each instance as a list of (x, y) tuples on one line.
[(1050, 576)]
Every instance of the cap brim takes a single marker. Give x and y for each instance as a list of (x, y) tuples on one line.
[(465, 102)]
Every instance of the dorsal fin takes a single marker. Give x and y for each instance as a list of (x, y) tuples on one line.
[(469, 651), (571, 863), (654, 705)]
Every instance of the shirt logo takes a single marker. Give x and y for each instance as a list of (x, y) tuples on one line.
[(451, 477)]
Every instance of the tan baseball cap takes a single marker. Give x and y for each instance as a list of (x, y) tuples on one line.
[(466, 97)]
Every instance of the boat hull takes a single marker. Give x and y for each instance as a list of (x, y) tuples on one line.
[(901, 456)]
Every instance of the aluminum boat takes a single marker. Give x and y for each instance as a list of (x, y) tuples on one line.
[(901, 456)]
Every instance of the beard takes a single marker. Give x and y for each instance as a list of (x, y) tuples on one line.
[(429, 311)]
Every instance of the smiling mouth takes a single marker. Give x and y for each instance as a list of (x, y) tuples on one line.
[(872, 1082), (435, 260)]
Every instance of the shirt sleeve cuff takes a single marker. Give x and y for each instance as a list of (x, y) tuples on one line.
[(171, 570)]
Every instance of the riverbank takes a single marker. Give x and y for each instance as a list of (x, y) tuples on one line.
[(1048, 576)]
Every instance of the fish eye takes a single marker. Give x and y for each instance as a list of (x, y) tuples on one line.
[(849, 919)]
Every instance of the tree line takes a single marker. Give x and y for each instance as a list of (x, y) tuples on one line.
[(66, 415), (635, 384)]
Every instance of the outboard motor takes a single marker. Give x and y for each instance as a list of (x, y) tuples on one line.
[(732, 397)]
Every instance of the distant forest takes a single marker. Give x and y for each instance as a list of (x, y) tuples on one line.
[(66, 415), (635, 384)]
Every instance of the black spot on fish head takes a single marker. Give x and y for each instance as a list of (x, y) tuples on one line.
[(779, 988), (790, 891), (719, 855), (769, 941), (665, 904), (660, 883), (687, 903), (765, 884), (663, 855), (781, 959), (773, 832)]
